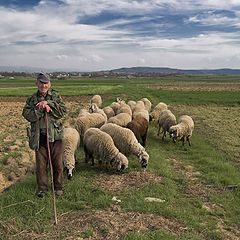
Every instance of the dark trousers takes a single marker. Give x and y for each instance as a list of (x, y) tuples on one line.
[(42, 164)]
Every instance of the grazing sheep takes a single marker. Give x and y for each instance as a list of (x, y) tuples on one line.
[(147, 103), (165, 121), (89, 120), (71, 141), (183, 129), (95, 109), (96, 99), (131, 104), (124, 108), (115, 106), (139, 127), (154, 115), (125, 140), (122, 119), (100, 145), (142, 114), (109, 112), (139, 106)]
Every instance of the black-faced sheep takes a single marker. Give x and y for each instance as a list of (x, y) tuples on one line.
[(125, 140), (71, 142), (100, 145), (139, 127), (183, 130), (165, 121)]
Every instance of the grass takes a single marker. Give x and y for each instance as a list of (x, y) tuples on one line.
[(194, 179)]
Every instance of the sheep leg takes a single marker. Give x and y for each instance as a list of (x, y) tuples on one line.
[(86, 154), (144, 137), (188, 141), (183, 140), (158, 130), (164, 135)]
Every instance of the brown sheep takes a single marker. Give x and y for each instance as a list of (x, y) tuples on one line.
[(139, 126)]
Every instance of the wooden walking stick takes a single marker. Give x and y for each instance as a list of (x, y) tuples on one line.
[(51, 171)]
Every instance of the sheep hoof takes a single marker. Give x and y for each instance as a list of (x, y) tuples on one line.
[(69, 176)]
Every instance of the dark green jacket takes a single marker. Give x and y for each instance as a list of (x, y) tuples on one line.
[(35, 116)]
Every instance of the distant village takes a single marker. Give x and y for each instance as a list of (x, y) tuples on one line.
[(66, 75)]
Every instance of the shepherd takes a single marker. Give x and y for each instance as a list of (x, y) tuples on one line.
[(45, 111)]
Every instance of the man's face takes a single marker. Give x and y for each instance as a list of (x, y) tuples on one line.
[(43, 87)]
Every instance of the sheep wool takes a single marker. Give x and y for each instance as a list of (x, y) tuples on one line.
[(89, 120), (125, 140), (95, 109), (122, 119), (71, 140), (165, 121), (96, 99), (100, 145), (147, 103), (183, 130), (154, 115), (109, 112)]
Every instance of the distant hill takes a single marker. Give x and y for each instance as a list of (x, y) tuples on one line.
[(163, 70)]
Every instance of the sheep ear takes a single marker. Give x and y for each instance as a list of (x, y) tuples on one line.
[(177, 132)]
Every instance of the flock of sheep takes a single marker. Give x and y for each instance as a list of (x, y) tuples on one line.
[(112, 133)]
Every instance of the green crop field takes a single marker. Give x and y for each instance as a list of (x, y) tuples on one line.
[(197, 187)]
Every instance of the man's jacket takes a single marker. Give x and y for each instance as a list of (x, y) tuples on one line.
[(36, 117)]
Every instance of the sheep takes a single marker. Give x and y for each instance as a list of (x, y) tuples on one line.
[(71, 140), (100, 145), (115, 106), (165, 121), (124, 108), (147, 104), (139, 106), (142, 114), (139, 127), (155, 113), (183, 129), (96, 99), (95, 109), (122, 119), (109, 112), (89, 120), (131, 103), (125, 140)]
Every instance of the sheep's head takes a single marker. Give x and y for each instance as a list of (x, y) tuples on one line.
[(173, 131), (143, 159), (93, 108), (120, 162)]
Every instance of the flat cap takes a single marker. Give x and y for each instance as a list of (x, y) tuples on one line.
[(43, 77)]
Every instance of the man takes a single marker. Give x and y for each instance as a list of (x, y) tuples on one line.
[(46, 108)]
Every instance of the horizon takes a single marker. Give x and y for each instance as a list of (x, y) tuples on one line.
[(98, 35)]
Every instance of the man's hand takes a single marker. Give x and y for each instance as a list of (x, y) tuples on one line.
[(44, 105)]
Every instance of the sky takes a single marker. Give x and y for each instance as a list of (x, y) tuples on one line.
[(108, 34)]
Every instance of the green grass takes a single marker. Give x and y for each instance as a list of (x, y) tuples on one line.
[(184, 197)]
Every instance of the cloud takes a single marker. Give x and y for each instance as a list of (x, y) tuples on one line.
[(104, 34)]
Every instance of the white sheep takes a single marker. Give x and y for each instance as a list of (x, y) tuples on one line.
[(125, 140), (95, 109), (100, 145), (109, 111), (141, 114), (122, 119), (96, 99), (165, 121), (155, 113), (131, 103), (124, 108), (183, 129), (147, 103), (89, 120), (71, 140)]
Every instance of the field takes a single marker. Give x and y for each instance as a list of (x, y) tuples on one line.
[(198, 186)]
